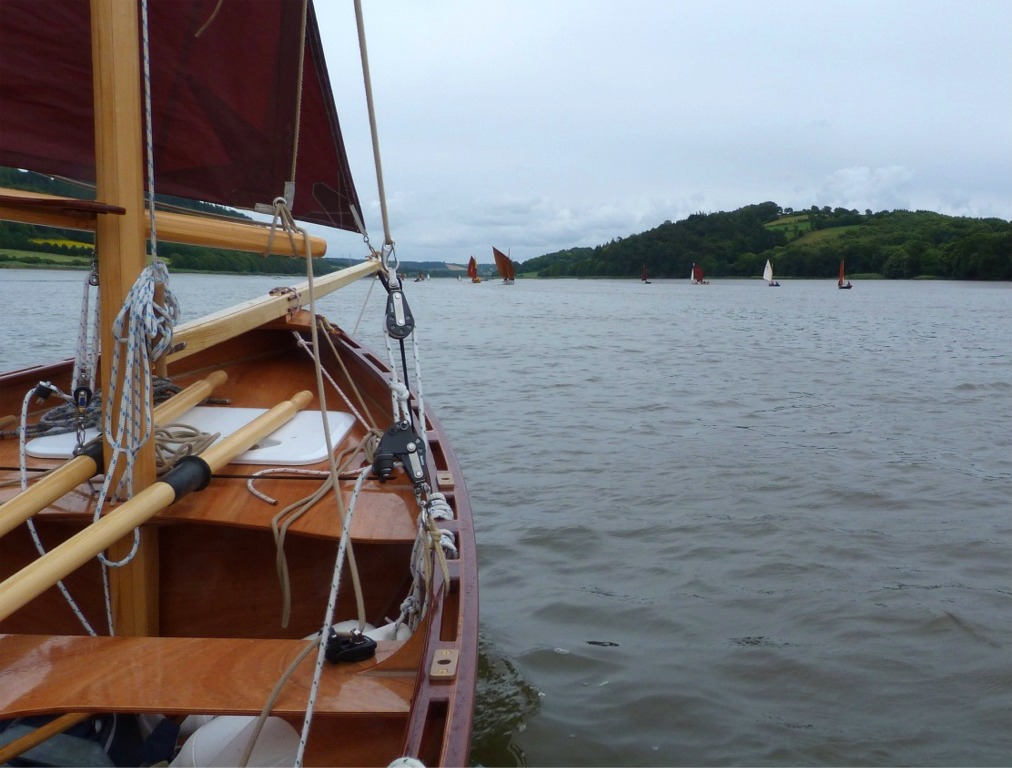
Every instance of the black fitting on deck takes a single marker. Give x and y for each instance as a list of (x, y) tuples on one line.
[(191, 473), (350, 648)]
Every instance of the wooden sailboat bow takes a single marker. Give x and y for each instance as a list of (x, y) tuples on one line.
[(196, 620), (83, 467)]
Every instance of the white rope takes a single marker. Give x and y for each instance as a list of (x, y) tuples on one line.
[(274, 470), (416, 604), (149, 141), (39, 546), (419, 396), (373, 130), (308, 347), (365, 303), (142, 332), (328, 621)]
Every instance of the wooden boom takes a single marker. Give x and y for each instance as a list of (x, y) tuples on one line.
[(69, 213)]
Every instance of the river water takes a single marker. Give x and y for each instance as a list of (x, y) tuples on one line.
[(718, 525)]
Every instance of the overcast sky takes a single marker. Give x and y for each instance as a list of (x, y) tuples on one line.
[(538, 125)]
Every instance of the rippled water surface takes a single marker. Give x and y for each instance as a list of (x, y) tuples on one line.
[(718, 525)]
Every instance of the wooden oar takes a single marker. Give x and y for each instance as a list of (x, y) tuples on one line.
[(33, 738), (81, 468), (38, 576)]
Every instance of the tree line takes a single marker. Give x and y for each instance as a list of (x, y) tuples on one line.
[(805, 244)]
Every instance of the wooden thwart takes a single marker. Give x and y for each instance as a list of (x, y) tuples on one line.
[(182, 675), (35, 578)]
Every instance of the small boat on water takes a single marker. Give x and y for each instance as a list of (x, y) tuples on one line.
[(696, 275), (768, 275), (504, 265), (842, 282), (241, 540), (472, 270), (644, 275)]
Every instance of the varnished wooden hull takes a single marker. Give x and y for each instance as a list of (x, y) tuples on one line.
[(219, 647)]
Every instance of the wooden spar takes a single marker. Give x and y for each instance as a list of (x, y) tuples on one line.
[(121, 248), (35, 737), (81, 468), (50, 211), (38, 576), (233, 321)]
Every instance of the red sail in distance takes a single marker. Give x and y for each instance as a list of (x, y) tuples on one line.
[(504, 264)]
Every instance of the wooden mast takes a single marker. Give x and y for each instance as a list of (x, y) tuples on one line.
[(121, 249)]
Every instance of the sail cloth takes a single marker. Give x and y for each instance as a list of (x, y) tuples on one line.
[(223, 102), (503, 263)]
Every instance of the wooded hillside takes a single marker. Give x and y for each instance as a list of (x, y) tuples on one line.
[(805, 244)]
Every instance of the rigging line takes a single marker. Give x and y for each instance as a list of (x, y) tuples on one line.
[(335, 584), (272, 698), (148, 134), (298, 90), (36, 539), (372, 122), (367, 420), (210, 19), (335, 474)]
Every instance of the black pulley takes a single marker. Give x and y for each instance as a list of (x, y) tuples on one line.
[(82, 396), (399, 320), (400, 443)]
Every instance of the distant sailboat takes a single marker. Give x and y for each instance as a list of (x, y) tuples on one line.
[(696, 275), (472, 271), (842, 283), (768, 275), (505, 266), (644, 275)]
